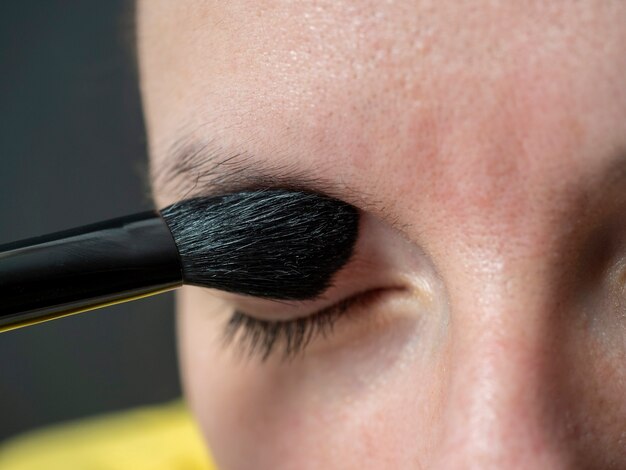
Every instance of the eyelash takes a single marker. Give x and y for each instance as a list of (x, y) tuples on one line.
[(263, 337)]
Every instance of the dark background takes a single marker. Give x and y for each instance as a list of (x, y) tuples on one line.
[(72, 152)]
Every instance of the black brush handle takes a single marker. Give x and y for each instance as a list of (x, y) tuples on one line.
[(85, 268)]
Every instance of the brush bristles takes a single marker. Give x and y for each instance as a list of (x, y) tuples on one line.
[(270, 243)]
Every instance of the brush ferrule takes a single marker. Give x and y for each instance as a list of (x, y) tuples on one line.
[(85, 268)]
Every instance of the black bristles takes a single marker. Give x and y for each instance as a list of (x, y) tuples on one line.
[(275, 244)]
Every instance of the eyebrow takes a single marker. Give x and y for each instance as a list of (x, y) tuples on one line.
[(200, 168), (193, 168)]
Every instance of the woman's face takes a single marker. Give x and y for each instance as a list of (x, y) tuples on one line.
[(485, 145)]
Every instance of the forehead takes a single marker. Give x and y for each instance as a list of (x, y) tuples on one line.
[(462, 102)]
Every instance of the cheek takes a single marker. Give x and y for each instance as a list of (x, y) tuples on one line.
[(352, 405)]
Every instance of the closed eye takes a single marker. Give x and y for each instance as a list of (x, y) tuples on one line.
[(261, 337)]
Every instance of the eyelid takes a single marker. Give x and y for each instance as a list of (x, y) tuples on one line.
[(355, 279), (378, 267), (261, 337)]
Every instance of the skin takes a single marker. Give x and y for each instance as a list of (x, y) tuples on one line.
[(485, 144)]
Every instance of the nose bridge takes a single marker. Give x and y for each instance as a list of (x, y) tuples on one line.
[(499, 385)]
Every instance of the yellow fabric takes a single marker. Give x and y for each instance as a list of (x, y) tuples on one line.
[(162, 437)]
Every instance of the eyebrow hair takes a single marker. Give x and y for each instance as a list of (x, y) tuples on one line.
[(197, 168), (193, 168)]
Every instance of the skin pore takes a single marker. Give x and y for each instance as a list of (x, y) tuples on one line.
[(485, 145)]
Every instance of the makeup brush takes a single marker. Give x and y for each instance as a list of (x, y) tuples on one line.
[(276, 244)]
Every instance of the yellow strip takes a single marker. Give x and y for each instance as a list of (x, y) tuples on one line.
[(67, 313)]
